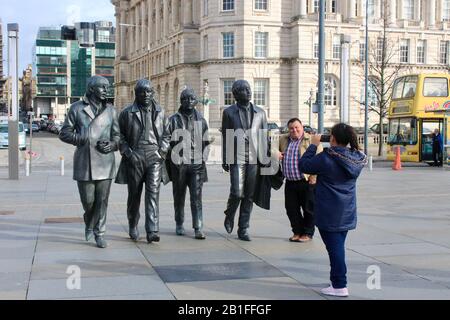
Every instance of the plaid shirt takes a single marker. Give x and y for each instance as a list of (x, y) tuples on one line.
[(291, 158)]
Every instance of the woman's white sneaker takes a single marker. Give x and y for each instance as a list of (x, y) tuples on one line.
[(330, 291)]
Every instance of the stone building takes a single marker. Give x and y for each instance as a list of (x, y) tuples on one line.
[(272, 44)]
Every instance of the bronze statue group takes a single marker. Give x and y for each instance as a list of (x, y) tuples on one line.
[(158, 149)]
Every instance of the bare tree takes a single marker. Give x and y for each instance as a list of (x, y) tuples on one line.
[(384, 68)]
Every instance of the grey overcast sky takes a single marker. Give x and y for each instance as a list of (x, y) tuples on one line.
[(32, 14)]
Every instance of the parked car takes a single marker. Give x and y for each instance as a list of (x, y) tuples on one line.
[(35, 127), (4, 138), (376, 128), (310, 130), (26, 127)]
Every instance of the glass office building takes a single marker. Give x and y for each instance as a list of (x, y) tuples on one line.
[(63, 65)]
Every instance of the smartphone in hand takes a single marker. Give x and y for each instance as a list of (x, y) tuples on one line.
[(325, 138)]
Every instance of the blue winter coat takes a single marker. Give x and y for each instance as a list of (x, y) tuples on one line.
[(337, 169)]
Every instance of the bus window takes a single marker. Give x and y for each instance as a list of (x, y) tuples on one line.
[(435, 87), (405, 88), (403, 131), (409, 90), (397, 92)]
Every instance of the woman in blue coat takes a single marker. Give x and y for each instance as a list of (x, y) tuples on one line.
[(337, 169)]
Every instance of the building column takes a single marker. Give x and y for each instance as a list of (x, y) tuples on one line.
[(392, 12), (188, 12), (123, 31), (158, 20), (431, 13), (131, 31), (165, 18), (151, 31), (137, 27), (378, 5), (417, 6), (303, 9), (144, 28), (118, 33), (196, 9), (175, 19), (440, 5), (351, 9)]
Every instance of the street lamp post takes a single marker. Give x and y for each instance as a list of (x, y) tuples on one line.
[(13, 123), (321, 86), (366, 98)]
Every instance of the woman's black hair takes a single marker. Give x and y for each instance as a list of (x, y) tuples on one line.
[(345, 135)]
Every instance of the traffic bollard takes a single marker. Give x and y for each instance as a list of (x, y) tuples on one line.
[(27, 165), (370, 163), (62, 165)]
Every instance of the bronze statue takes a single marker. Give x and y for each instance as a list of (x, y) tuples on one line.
[(144, 143), (187, 162), (92, 126), (244, 145)]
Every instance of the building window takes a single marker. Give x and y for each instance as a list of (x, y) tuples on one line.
[(408, 9), (380, 49), (404, 51), (337, 46), (261, 41), (316, 6), (330, 98), (261, 5), (362, 51), (333, 6), (205, 7), (421, 51), (205, 48), (372, 93), (228, 44), (227, 5), (316, 46), (228, 98), (443, 59), (261, 92), (446, 10), (371, 8)]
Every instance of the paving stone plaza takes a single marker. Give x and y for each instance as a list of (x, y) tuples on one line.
[(400, 250)]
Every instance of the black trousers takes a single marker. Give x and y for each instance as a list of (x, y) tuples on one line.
[(299, 204), (243, 181), (149, 172), (437, 156), (184, 176), (94, 197)]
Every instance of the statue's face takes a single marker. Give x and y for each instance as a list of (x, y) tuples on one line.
[(189, 102), (144, 95), (100, 90), (243, 94)]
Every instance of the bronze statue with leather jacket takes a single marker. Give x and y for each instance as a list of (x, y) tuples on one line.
[(144, 143), (244, 151), (186, 162), (91, 125)]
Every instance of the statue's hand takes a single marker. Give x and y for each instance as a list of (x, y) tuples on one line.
[(105, 147)]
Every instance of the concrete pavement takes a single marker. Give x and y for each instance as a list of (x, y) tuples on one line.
[(403, 232)]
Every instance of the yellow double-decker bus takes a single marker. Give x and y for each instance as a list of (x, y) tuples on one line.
[(419, 105)]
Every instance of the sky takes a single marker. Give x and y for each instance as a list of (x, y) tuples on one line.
[(32, 14)]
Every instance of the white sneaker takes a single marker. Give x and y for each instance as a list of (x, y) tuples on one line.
[(330, 291)]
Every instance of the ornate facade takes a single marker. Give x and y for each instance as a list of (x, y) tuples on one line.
[(273, 44)]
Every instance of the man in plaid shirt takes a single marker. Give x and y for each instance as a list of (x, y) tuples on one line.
[(299, 189)]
